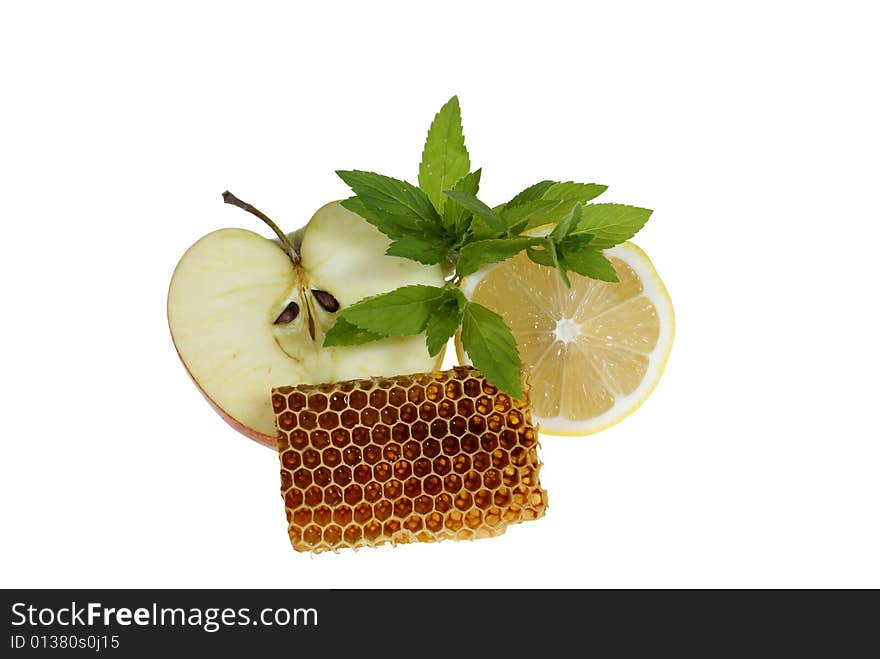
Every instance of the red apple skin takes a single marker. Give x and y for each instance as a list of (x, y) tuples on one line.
[(250, 433)]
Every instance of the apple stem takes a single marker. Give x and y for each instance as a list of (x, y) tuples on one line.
[(230, 198)]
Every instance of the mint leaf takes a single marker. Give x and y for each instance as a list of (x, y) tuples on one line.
[(400, 312), (343, 333), (486, 221), (445, 158), (571, 191), (545, 256), (567, 223), (424, 250), (612, 223), (531, 193), (445, 320), (456, 218), (395, 207), (491, 347), (588, 262), (519, 216), (475, 255)]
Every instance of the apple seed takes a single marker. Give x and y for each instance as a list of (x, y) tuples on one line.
[(326, 300), (291, 311)]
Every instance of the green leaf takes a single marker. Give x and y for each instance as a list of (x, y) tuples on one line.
[(445, 320), (567, 223), (475, 255), (571, 191), (544, 256), (492, 349), (612, 223), (395, 207), (519, 216), (588, 262), (445, 158), (531, 193), (400, 312), (424, 250), (343, 333), (456, 218), (486, 221)]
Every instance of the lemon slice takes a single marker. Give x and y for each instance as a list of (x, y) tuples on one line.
[(594, 351)]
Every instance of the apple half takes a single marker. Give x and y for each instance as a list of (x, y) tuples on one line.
[(247, 313)]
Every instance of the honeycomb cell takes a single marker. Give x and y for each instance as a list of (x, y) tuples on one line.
[(488, 442), (409, 413), (389, 415), (302, 478), (378, 398), (430, 448), (320, 439), (293, 498), (290, 459), (369, 417), (427, 411), (299, 439), (328, 420), (472, 481), (372, 491), (322, 515), (340, 437), (317, 402), (307, 420), (383, 510), (382, 472), (499, 459), (416, 394), (458, 426), (432, 484), (342, 476), (421, 467), (393, 489), (381, 434), (403, 507), (453, 390), (357, 400), (442, 465), (296, 401), (333, 495), (351, 455), (360, 436), (423, 504), (416, 458), (287, 421), (446, 409), (321, 476), (477, 425), (353, 494), (332, 457), (396, 396), (450, 445), (403, 469), (362, 512), (349, 419), (362, 474), (412, 487), (461, 463), (439, 428), (509, 438)]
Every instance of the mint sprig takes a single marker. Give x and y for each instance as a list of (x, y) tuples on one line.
[(442, 221)]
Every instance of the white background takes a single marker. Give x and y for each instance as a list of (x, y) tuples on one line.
[(752, 129)]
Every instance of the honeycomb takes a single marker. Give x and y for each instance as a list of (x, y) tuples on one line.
[(422, 457)]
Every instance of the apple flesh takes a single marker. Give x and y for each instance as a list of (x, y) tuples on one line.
[(246, 315)]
